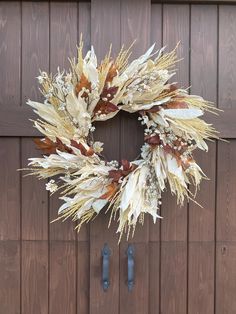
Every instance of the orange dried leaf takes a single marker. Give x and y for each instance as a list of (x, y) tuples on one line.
[(83, 150), (83, 83), (153, 140), (105, 107), (111, 190), (50, 147), (176, 105), (111, 73)]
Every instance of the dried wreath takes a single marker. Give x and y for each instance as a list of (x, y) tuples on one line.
[(90, 92)]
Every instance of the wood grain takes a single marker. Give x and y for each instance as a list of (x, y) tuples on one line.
[(179, 268), (154, 277), (10, 189), (105, 29), (204, 82), (175, 218), (35, 56), (63, 40), (175, 29), (63, 34), (62, 277), (34, 277), (202, 220), (133, 16), (225, 278), (226, 194), (156, 37), (10, 277), (10, 56), (173, 278), (84, 24), (137, 300), (227, 61), (83, 274), (10, 53), (34, 199), (35, 47), (201, 277)]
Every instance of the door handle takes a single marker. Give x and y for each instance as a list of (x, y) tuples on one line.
[(130, 255), (106, 253)]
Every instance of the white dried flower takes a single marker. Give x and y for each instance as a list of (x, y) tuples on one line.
[(51, 186), (97, 147)]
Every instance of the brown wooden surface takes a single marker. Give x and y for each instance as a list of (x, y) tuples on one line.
[(184, 264)]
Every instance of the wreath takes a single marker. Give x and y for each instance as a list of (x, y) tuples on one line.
[(89, 92)]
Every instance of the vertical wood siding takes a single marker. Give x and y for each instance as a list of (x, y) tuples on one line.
[(186, 263)]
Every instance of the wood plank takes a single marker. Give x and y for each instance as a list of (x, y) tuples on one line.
[(225, 278), (62, 279), (224, 122), (156, 37), (225, 224), (63, 34), (226, 194), (204, 83), (175, 29), (137, 300), (84, 29), (34, 277), (83, 277), (154, 278), (202, 220), (10, 189), (100, 301), (201, 278), (227, 77), (133, 16), (175, 218), (173, 278), (35, 47), (10, 277), (105, 29), (63, 40), (10, 53), (14, 121), (10, 56), (34, 198), (84, 23), (227, 62)]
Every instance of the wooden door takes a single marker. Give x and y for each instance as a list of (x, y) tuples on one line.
[(184, 264)]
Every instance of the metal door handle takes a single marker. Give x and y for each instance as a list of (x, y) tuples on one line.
[(130, 255), (106, 252)]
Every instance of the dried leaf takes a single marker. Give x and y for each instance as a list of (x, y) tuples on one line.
[(126, 164), (83, 83), (109, 93), (153, 140), (112, 188), (50, 147), (176, 105), (105, 107), (111, 73), (83, 150)]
